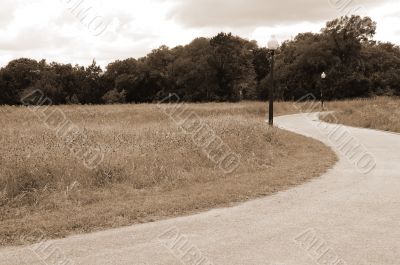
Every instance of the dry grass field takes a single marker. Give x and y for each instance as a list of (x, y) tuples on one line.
[(152, 169), (382, 113)]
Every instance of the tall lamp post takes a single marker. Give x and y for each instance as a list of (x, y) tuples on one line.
[(273, 45), (323, 77)]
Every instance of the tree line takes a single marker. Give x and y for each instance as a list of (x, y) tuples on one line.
[(223, 68)]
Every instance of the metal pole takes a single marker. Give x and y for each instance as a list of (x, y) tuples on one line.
[(271, 92), (322, 94), (322, 87)]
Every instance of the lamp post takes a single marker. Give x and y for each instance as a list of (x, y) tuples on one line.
[(323, 77), (273, 45)]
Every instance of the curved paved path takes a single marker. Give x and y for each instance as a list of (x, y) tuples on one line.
[(343, 217)]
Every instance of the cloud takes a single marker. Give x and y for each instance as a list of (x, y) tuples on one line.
[(33, 39), (47, 28), (244, 13), (7, 10)]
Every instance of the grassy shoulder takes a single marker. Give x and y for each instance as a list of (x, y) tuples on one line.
[(381, 113), (152, 168)]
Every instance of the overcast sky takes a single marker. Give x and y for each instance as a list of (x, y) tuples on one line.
[(76, 31)]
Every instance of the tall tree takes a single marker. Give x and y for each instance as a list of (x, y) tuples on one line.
[(17, 76), (232, 62)]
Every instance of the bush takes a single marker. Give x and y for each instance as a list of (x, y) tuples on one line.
[(114, 97)]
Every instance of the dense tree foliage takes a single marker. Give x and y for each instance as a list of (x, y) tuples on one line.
[(223, 68)]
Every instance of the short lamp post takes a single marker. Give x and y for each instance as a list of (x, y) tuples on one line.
[(273, 45), (323, 77)]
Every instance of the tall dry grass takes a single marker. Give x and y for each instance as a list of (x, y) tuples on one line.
[(382, 113), (151, 169)]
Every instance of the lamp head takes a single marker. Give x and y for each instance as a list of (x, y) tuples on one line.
[(323, 75), (273, 43)]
